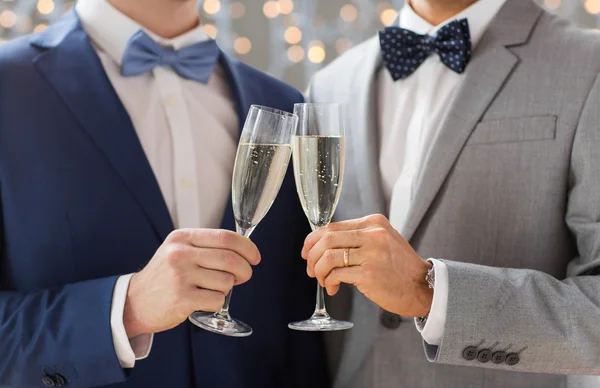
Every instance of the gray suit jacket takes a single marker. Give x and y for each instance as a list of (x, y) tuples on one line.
[(509, 197)]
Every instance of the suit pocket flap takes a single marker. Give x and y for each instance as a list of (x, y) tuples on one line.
[(514, 130)]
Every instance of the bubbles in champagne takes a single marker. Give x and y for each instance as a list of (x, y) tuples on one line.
[(257, 177), (319, 172)]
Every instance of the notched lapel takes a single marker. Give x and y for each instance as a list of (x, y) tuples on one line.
[(487, 73), (362, 112), (71, 66), (490, 67)]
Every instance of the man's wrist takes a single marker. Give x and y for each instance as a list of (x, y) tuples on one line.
[(133, 325)]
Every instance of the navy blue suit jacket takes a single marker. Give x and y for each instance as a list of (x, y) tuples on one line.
[(80, 206)]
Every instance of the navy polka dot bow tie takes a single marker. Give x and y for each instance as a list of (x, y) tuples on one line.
[(404, 51)]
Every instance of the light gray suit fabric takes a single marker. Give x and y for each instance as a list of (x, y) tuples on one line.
[(512, 181)]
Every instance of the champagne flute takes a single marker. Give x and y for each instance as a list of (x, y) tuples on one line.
[(261, 163), (319, 159)]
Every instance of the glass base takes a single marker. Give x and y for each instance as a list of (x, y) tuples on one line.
[(321, 323), (223, 325)]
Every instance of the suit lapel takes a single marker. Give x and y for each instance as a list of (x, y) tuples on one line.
[(491, 65), (71, 66), (362, 111)]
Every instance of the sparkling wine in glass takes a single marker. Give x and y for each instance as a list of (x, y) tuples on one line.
[(319, 159), (261, 163)]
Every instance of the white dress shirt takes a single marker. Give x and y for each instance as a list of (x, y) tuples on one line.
[(188, 130), (410, 113)]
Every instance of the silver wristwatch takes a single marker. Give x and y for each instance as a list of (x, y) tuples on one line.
[(430, 279)]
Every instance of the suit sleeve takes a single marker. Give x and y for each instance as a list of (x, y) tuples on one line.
[(551, 325), (64, 331)]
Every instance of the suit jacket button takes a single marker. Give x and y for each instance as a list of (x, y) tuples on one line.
[(470, 353), (48, 381), (498, 357), (512, 359), (59, 381), (389, 320), (484, 356)]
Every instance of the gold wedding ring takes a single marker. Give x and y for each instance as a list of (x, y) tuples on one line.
[(347, 257)]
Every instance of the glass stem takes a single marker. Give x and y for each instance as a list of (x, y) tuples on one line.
[(224, 312), (320, 309)]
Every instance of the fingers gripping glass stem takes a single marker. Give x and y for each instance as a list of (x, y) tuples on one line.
[(261, 163)]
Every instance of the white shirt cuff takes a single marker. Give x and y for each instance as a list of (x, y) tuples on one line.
[(433, 330), (128, 350)]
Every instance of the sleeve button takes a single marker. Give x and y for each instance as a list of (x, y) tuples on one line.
[(484, 356), (470, 353), (498, 357), (59, 380), (48, 381), (512, 359)]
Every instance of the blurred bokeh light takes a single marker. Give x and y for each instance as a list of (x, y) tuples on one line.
[(291, 39)]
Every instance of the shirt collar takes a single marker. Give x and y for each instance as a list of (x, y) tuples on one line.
[(110, 30), (480, 14)]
